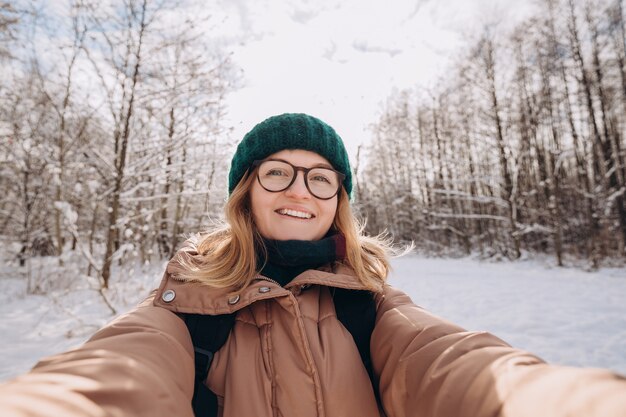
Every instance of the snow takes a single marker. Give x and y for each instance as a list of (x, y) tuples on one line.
[(565, 315), (34, 326)]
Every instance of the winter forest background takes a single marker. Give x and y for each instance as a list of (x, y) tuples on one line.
[(114, 143)]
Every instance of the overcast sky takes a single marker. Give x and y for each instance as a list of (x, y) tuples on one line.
[(340, 60)]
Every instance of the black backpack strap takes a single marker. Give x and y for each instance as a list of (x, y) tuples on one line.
[(208, 334), (356, 310)]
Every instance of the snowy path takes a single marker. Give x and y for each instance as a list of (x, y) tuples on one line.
[(565, 316)]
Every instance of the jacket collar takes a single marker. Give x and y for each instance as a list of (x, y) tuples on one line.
[(194, 297)]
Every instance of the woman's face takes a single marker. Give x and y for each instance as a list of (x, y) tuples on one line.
[(293, 214)]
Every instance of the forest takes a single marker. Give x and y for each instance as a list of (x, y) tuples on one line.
[(113, 145), (520, 147), (112, 141)]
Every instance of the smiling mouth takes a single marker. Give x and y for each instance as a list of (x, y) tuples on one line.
[(295, 214)]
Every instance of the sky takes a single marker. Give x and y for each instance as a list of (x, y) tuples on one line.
[(341, 60)]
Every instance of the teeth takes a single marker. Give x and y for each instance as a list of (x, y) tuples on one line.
[(294, 213)]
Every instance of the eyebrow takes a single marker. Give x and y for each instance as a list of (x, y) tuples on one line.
[(319, 165), (322, 165)]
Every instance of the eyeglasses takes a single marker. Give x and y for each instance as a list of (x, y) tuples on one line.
[(276, 175)]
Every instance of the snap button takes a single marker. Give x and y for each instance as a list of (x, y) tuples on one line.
[(168, 296), (263, 290), (233, 300)]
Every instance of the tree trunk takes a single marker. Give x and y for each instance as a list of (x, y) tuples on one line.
[(120, 160), (503, 160), (597, 154)]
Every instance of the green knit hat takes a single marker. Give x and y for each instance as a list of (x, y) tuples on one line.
[(289, 131)]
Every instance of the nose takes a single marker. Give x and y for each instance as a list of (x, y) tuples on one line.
[(298, 188)]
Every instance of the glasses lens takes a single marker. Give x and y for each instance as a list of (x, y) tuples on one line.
[(323, 183), (275, 175)]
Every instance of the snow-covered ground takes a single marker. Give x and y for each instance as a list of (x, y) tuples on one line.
[(33, 326), (564, 315)]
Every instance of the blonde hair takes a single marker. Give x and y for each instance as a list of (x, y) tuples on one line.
[(227, 255)]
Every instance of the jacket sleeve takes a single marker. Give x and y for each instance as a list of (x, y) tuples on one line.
[(141, 364), (433, 368)]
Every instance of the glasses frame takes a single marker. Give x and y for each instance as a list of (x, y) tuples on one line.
[(305, 171)]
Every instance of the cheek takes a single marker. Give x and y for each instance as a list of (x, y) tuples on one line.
[(329, 210), (257, 204), (255, 213)]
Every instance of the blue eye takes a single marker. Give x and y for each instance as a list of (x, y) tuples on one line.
[(276, 172), (319, 178)]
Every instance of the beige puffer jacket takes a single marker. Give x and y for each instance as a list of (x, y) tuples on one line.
[(288, 355)]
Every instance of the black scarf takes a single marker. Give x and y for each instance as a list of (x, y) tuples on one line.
[(286, 259)]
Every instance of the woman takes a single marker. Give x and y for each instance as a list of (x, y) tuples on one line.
[(289, 245)]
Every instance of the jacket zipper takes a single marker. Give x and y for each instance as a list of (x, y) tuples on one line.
[(259, 277), (313, 372), (267, 279)]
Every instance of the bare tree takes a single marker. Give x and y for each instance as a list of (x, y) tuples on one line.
[(522, 145), (9, 20)]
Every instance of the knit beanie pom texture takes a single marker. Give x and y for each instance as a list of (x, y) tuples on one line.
[(289, 131)]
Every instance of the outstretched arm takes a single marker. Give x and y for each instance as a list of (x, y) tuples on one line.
[(433, 368), (141, 364)]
